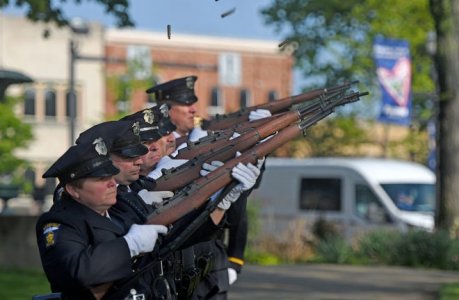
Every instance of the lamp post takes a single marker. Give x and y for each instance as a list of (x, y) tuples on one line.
[(80, 28)]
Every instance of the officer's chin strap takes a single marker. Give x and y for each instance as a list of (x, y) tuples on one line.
[(177, 242)]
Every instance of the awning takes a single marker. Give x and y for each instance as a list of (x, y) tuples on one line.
[(8, 77)]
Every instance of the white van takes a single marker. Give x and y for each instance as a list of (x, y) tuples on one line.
[(356, 193)]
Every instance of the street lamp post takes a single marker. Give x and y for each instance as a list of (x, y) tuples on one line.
[(77, 27), (71, 95)]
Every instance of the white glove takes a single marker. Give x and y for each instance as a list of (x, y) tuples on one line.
[(165, 163), (150, 197), (259, 114), (232, 275), (207, 168), (142, 238), (196, 134), (235, 135), (260, 162), (179, 147), (247, 176)]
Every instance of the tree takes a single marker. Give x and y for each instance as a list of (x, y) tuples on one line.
[(14, 134), (445, 15), (349, 27), (335, 38), (48, 11)]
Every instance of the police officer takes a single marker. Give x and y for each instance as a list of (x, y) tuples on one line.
[(156, 133), (84, 252), (180, 96)]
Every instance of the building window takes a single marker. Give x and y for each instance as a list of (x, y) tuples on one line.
[(244, 98), (139, 61), (67, 104), (320, 194), (50, 103), (29, 102), (216, 102), (272, 96), (230, 69)]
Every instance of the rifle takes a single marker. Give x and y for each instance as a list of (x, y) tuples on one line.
[(197, 193), (178, 177), (215, 139), (225, 121)]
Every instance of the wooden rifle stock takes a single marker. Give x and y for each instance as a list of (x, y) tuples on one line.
[(176, 178), (216, 139), (224, 150), (225, 121), (196, 194)]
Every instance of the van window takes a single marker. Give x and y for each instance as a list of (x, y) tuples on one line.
[(412, 196), (323, 194), (367, 205)]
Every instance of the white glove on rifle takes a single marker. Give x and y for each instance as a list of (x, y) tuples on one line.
[(247, 176), (260, 162), (235, 135), (150, 197), (142, 238), (166, 163), (232, 275), (259, 114), (207, 168), (197, 133), (179, 147)]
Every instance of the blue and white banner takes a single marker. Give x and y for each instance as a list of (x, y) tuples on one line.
[(393, 67), (432, 157)]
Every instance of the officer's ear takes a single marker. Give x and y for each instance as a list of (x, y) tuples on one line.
[(72, 190)]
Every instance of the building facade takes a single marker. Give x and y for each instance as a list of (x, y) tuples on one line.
[(42, 52), (232, 73)]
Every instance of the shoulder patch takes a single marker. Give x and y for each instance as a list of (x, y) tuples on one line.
[(50, 231)]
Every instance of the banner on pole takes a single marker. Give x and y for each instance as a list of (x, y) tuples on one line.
[(393, 67)]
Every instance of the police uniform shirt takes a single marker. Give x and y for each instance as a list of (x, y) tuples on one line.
[(80, 248)]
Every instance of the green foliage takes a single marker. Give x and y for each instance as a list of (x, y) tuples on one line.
[(334, 250), (14, 134), (335, 40), (416, 248), (337, 136), (335, 37), (49, 11), (18, 284), (449, 292), (261, 258), (377, 247)]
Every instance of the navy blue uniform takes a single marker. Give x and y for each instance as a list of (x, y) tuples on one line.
[(81, 249)]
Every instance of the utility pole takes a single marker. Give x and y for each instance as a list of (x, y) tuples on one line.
[(71, 95)]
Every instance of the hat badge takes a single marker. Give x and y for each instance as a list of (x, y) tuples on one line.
[(136, 128), (148, 116), (190, 82), (100, 146), (164, 109)]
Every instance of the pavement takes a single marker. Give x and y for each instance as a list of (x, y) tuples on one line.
[(332, 282)]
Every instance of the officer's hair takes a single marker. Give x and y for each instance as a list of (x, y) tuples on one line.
[(77, 182)]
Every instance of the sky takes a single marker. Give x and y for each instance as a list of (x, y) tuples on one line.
[(185, 16), (200, 17)]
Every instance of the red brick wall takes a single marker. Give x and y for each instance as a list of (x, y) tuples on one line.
[(261, 73)]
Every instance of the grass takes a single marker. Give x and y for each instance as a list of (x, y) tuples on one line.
[(19, 284), (449, 291)]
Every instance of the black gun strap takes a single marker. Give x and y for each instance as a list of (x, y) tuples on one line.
[(181, 238)]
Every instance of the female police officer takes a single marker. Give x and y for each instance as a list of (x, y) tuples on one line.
[(82, 249)]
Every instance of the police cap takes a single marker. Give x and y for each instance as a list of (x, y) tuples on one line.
[(82, 161), (154, 122), (180, 91), (123, 136)]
